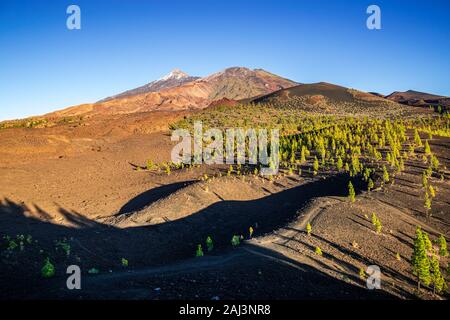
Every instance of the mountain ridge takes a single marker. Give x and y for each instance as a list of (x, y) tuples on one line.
[(173, 79), (233, 83)]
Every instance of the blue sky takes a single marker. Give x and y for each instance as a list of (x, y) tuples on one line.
[(124, 44)]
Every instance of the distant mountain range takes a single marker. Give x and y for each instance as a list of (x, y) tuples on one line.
[(180, 91), (419, 99)]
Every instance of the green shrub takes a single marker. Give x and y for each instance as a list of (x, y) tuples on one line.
[(48, 270)]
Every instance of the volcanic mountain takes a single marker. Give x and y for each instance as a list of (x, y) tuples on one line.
[(325, 97), (420, 99), (174, 79), (179, 91)]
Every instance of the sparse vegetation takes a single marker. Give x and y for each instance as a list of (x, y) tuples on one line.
[(199, 251), (318, 251), (48, 270), (351, 192), (419, 260), (209, 244), (308, 229), (442, 246), (235, 241)]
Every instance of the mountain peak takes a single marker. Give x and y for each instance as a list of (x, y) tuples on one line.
[(175, 74)]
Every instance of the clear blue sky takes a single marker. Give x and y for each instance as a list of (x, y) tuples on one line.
[(124, 44)]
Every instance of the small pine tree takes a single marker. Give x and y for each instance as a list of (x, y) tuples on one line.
[(438, 281), (351, 192), (419, 260), (199, 252), (370, 184), (385, 174), (376, 223), (209, 243), (374, 219), (434, 162), (424, 180), (378, 226), (339, 164), (308, 229), (427, 241), (250, 231), (427, 148), (48, 270), (427, 202), (150, 165), (303, 155), (442, 246), (362, 273), (318, 251), (316, 165), (432, 192), (397, 256), (235, 241), (417, 139)]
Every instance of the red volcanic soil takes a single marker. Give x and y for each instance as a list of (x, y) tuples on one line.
[(223, 102)]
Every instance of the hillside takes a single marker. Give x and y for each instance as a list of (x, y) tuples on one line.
[(420, 99), (324, 97)]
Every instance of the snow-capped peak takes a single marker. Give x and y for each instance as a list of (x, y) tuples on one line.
[(175, 74)]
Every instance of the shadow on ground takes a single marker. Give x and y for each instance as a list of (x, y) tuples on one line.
[(161, 256)]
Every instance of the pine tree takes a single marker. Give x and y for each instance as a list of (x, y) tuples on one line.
[(351, 192), (315, 165), (339, 163), (370, 184), (48, 270), (427, 241), (318, 251), (417, 139), (424, 180), (432, 192), (235, 241), (427, 148), (419, 260), (308, 229), (427, 202), (442, 246), (377, 223), (385, 175), (303, 155), (199, 252), (438, 281), (362, 273), (378, 226), (434, 162), (209, 243)]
